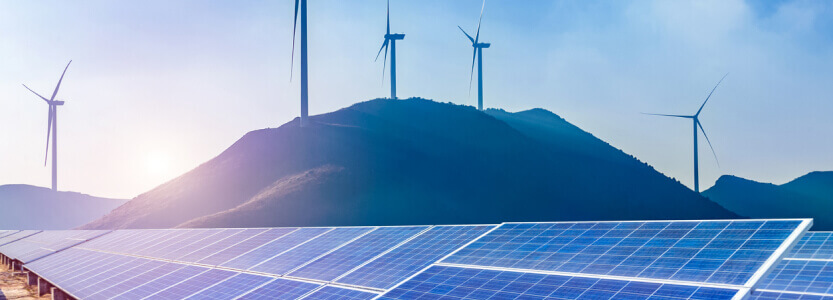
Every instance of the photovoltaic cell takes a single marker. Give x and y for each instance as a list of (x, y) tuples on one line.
[(413, 256), (194, 284), (335, 293), (162, 283), (440, 282), (109, 292), (236, 236), (232, 287), (281, 289), (125, 274), (724, 252), (308, 251), (814, 245), (800, 276), (277, 246), (245, 246), (173, 248), (357, 252), (785, 296)]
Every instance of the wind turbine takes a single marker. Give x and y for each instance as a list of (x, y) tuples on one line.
[(304, 82), (478, 54), (696, 121), (392, 39), (52, 127)]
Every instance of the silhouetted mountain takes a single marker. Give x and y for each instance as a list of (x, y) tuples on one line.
[(808, 196), (31, 207), (415, 161)]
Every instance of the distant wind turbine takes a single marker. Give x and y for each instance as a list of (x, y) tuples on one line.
[(52, 127), (478, 54), (304, 75), (392, 39), (696, 121)]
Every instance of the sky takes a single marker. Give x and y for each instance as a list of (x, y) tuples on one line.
[(157, 87)]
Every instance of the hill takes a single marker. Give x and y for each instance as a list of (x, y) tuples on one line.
[(31, 207), (810, 195), (414, 161)]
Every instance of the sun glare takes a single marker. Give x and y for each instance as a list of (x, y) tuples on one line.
[(158, 164)]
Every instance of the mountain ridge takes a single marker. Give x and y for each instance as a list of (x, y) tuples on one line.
[(33, 207), (414, 161)]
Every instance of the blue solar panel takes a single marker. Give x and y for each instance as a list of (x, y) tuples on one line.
[(275, 247), (245, 246), (16, 236), (162, 283), (235, 237), (153, 272), (440, 282), (117, 277), (352, 255), (193, 285), (413, 256), (232, 287), (785, 296), (335, 293), (82, 282), (281, 289), (814, 245), (39, 245), (800, 276), (207, 240), (306, 252), (172, 248), (726, 252)]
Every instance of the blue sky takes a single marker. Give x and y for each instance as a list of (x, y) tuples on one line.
[(158, 87)]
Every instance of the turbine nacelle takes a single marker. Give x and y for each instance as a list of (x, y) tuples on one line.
[(481, 45), (395, 36)]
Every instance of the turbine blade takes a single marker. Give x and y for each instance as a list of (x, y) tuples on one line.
[(664, 115), (48, 132), (467, 35), (477, 36), (44, 99), (710, 142), (388, 30), (294, 27), (385, 44), (385, 63), (710, 94), (59, 81), (471, 77)]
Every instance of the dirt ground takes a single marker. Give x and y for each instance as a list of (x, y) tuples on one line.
[(15, 287)]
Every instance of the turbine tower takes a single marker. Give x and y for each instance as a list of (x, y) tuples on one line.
[(52, 127), (392, 39), (696, 123), (304, 76), (478, 54)]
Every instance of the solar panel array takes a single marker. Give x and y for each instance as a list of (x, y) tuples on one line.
[(36, 246), (14, 236), (805, 273), (564, 260)]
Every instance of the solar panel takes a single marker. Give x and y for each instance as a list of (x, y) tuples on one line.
[(16, 236), (463, 283), (194, 284), (785, 296), (191, 237), (158, 270), (161, 283), (116, 277), (232, 287), (814, 245), (281, 289), (77, 284), (245, 247), (234, 238), (36, 246), (354, 254), (413, 256), (723, 252), (804, 276), (298, 256), (335, 293)]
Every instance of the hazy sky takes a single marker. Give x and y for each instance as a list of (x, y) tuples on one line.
[(157, 87)]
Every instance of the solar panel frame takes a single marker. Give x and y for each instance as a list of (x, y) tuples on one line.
[(814, 245)]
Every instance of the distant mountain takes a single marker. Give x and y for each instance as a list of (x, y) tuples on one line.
[(31, 207), (810, 195), (415, 161)]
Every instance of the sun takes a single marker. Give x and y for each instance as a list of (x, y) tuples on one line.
[(158, 163)]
